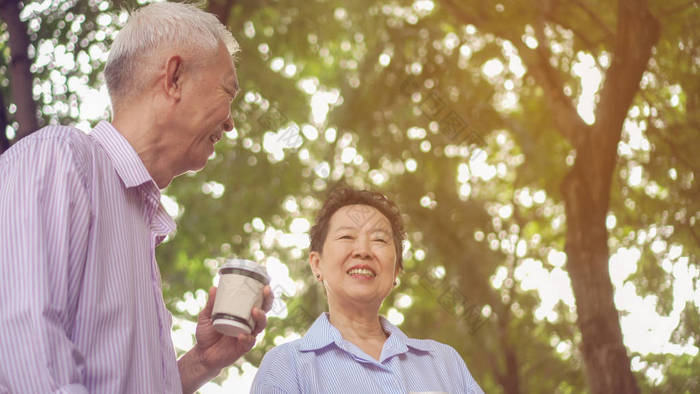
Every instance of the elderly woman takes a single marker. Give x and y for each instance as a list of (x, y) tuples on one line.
[(356, 248)]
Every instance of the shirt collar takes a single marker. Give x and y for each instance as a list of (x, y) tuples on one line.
[(126, 161), (322, 333), (398, 342), (133, 173)]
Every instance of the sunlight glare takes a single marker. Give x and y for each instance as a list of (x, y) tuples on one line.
[(585, 68), (492, 68)]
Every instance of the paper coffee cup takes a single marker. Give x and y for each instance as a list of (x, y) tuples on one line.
[(241, 285)]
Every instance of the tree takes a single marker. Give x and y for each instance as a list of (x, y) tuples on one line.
[(19, 69), (586, 186), (49, 52)]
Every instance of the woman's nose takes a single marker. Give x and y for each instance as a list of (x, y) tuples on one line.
[(361, 248)]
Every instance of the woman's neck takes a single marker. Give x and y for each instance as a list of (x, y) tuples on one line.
[(360, 327)]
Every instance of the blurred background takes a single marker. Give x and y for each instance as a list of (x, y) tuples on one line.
[(544, 154)]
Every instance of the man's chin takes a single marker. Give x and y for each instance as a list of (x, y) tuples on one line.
[(200, 166), (196, 166)]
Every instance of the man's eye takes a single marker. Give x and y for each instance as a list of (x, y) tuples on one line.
[(345, 237), (231, 95), (381, 240)]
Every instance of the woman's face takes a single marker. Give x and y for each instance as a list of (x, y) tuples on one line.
[(358, 259)]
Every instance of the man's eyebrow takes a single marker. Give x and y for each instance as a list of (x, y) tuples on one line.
[(235, 86), (231, 87)]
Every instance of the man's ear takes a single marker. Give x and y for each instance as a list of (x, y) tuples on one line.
[(173, 77)]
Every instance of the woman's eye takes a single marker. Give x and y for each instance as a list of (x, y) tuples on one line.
[(381, 240), (345, 237)]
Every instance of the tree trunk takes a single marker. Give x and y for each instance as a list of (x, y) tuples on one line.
[(4, 142), (222, 9), (509, 380), (605, 356), (20, 75), (586, 191)]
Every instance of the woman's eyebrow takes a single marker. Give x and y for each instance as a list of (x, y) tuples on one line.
[(343, 228)]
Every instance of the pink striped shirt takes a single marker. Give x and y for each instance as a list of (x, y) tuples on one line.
[(81, 307)]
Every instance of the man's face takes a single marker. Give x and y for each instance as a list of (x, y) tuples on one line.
[(205, 110)]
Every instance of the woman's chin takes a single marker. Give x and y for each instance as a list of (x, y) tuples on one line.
[(370, 297)]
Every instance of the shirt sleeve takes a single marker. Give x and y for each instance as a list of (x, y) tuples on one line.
[(44, 224), (469, 384), (275, 375)]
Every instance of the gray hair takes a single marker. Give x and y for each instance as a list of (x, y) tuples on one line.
[(152, 28)]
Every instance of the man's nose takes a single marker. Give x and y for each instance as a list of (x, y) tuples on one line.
[(228, 124)]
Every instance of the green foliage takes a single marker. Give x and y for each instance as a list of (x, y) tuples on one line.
[(69, 45)]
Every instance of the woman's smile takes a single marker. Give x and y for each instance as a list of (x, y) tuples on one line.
[(361, 272)]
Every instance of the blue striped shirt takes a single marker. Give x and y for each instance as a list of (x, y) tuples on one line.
[(323, 362), (81, 307)]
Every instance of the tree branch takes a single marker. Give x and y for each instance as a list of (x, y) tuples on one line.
[(222, 9), (567, 120), (637, 32), (578, 34), (608, 32), (692, 232), (650, 98), (676, 153), (673, 10), (463, 16)]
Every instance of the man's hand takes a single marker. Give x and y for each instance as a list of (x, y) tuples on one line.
[(213, 350), (217, 350)]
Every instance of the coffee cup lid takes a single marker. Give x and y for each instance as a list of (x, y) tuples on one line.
[(247, 265)]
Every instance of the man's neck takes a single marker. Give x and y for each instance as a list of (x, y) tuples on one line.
[(145, 140)]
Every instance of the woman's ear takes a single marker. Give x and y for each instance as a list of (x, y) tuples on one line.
[(315, 264), (396, 273)]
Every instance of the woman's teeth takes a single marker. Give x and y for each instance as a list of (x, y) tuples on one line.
[(361, 271)]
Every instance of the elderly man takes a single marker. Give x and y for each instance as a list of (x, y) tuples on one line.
[(81, 305)]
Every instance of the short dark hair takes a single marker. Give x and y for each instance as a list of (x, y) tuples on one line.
[(344, 195)]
